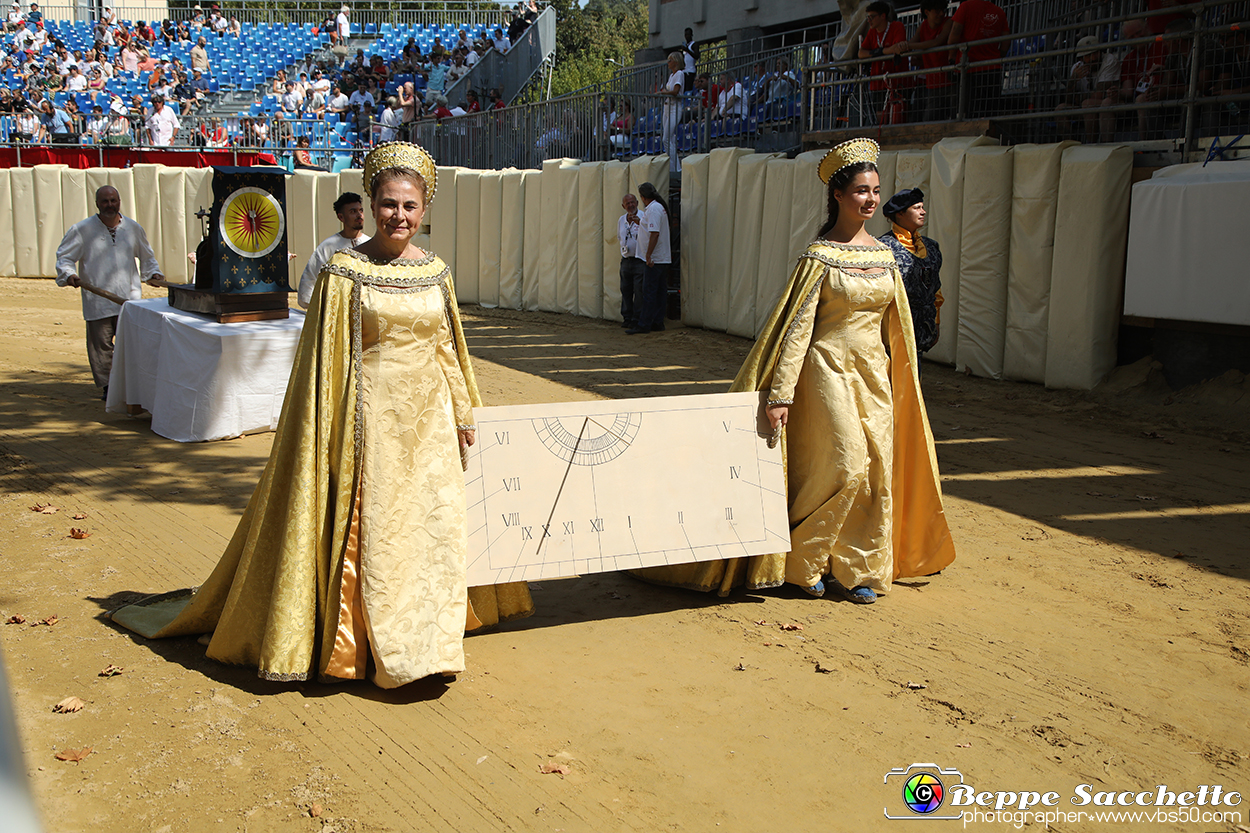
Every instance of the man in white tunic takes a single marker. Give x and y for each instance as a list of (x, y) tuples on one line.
[(101, 251), (351, 213)]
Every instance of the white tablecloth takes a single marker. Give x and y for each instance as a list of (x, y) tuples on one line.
[(201, 380), (1186, 238)]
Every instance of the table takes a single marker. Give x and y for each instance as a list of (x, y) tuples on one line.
[(201, 380)]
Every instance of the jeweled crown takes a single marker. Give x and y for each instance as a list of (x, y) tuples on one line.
[(847, 153), (402, 155)]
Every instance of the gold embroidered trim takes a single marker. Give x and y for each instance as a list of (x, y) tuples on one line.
[(773, 402), (397, 261), (281, 678), (388, 284), (843, 264), (820, 241)]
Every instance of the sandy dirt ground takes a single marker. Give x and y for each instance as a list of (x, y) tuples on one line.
[(1095, 628)]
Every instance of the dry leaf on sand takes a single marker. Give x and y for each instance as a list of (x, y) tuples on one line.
[(51, 620), (45, 508), (111, 670), (549, 768), (75, 532), (74, 755), (791, 627), (15, 619), (69, 705), (80, 516)]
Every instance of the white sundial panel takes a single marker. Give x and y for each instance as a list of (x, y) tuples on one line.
[(572, 488)]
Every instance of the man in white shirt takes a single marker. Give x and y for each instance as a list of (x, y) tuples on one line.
[(15, 20), (390, 121), (361, 105), (76, 83), (342, 24), (291, 99), (351, 213), (320, 84), (651, 308), (338, 102), (501, 43), (162, 124), (632, 266), (101, 251), (733, 99)]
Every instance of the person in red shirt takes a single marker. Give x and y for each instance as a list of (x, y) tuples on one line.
[(976, 20), (934, 31), (1158, 23), (475, 106), (879, 40)]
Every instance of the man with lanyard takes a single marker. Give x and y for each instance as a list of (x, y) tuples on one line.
[(351, 213), (651, 308), (632, 266), (100, 251)]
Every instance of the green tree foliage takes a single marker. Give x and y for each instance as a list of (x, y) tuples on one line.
[(586, 37)]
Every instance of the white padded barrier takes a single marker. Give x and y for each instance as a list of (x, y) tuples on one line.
[(512, 236), (564, 231), (911, 170), (1034, 197), (653, 169), (47, 212), (776, 259), (810, 203), (172, 251), (75, 205), (532, 254), (590, 239), (744, 243), (984, 257), (468, 215), (718, 256), (325, 222), (490, 224), (301, 218), (886, 164), (147, 204), (8, 267), (25, 223), (945, 205), (694, 204), (1086, 282), (442, 219), (615, 186), (123, 179)]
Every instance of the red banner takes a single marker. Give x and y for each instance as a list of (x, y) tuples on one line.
[(115, 156)]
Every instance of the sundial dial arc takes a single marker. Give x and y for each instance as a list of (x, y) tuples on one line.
[(588, 441)]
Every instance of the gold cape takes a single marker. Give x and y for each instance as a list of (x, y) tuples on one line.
[(272, 600), (921, 537)]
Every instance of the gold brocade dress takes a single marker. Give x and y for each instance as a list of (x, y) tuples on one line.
[(350, 558), (863, 492)]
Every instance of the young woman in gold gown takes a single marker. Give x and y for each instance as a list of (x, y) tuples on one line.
[(350, 559), (838, 359)]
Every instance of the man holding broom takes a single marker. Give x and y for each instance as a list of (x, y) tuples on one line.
[(99, 255)]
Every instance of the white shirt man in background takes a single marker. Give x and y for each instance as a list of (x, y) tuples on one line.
[(343, 25), (162, 124), (652, 307), (732, 100), (101, 250), (351, 213)]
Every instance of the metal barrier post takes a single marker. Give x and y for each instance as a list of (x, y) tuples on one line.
[(961, 107), (1191, 92)]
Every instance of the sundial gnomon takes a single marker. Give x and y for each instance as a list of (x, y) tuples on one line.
[(580, 487)]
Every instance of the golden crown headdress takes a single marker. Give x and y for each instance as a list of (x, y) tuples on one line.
[(847, 153), (402, 155)]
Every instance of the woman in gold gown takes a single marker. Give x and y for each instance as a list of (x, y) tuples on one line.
[(838, 360), (350, 559)]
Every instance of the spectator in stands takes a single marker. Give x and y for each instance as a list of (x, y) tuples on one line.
[(496, 100), (672, 109), (440, 110), (361, 105), (457, 70), (14, 21), (303, 158), (220, 24), (76, 82), (757, 85), (162, 124), (97, 125), (278, 85), (881, 35), (435, 77), (1173, 81), (184, 95), (782, 84), (339, 102), (321, 84), (1089, 86), (58, 127), (146, 62), (199, 55), (516, 27), (407, 102), (96, 85), (472, 104), (531, 12), (34, 17), (27, 127), (197, 17), (705, 103), (732, 101), (690, 55), (501, 43), (390, 120), (437, 48), (235, 28), (199, 89), (342, 25), (934, 31), (130, 58), (291, 101), (977, 20)]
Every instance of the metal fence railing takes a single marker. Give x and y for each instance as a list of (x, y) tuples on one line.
[(1130, 84), (509, 73)]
